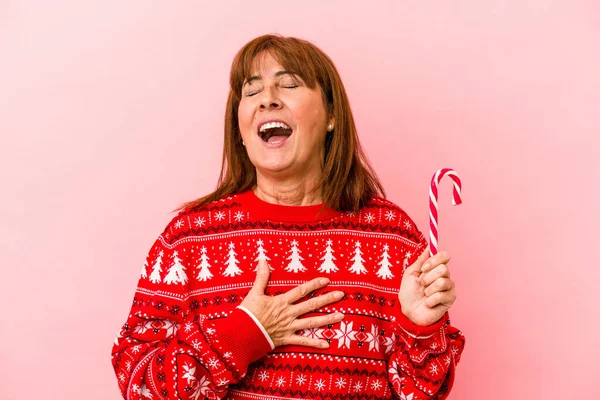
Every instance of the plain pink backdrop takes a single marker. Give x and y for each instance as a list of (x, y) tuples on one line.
[(111, 115)]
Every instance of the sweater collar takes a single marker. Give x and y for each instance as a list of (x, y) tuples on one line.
[(279, 212)]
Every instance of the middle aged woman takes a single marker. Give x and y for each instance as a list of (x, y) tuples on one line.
[(295, 278)]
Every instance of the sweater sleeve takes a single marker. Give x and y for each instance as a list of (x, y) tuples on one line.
[(423, 363), (167, 350)]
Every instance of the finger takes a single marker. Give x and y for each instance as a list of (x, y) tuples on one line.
[(316, 303), (446, 298), (440, 271), (262, 278), (315, 322), (305, 341), (415, 267), (302, 290), (439, 285), (443, 257)]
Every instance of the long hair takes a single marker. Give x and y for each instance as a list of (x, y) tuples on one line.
[(348, 181)]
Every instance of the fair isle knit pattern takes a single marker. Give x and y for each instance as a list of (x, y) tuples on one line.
[(186, 338)]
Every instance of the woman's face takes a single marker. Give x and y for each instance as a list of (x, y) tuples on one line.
[(293, 146)]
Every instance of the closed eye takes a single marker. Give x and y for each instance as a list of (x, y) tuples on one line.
[(287, 87)]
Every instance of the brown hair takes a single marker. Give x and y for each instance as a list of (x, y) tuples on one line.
[(348, 180)]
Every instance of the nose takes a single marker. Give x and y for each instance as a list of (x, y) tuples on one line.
[(269, 100)]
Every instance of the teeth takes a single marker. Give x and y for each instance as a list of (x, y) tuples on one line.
[(270, 125)]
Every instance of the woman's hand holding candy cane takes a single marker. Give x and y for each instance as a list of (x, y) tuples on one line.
[(426, 291)]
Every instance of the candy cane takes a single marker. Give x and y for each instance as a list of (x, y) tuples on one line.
[(433, 204)]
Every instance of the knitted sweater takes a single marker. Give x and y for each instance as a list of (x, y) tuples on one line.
[(186, 337)]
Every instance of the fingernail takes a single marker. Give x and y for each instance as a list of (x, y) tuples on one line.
[(324, 345), (338, 316), (338, 295), (324, 281), (425, 267)]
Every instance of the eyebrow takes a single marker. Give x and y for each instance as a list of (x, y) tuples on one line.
[(258, 77)]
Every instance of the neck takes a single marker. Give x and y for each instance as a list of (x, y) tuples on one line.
[(291, 192)]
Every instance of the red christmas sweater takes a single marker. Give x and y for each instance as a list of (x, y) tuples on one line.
[(186, 337)]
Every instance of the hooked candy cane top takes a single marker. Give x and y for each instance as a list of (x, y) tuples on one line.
[(186, 337), (433, 203)]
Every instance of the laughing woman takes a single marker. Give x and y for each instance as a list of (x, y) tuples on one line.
[(295, 278)]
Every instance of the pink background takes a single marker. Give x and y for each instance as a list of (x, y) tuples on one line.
[(111, 115)]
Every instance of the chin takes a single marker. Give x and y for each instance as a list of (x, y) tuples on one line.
[(273, 168), (273, 164)]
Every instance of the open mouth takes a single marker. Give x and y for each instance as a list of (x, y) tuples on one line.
[(274, 132)]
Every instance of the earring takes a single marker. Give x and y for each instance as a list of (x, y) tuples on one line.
[(329, 127)]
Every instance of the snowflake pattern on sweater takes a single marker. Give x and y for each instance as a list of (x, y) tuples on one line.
[(186, 337)]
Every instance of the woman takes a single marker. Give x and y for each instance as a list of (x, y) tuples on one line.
[(295, 278)]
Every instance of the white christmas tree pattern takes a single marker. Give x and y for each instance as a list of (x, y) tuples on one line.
[(176, 273), (358, 267), (295, 258), (232, 268), (156, 269), (328, 266), (204, 273), (384, 272), (144, 274), (261, 254)]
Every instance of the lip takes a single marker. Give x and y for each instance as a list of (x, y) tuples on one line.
[(278, 144), (267, 120)]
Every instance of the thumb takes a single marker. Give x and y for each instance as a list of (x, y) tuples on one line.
[(262, 277), (415, 268)]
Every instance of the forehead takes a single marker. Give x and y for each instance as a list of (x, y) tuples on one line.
[(264, 65), (264, 61)]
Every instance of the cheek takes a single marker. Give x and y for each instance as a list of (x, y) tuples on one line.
[(311, 114), (245, 118)]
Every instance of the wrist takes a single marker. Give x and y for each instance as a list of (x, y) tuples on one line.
[(407, 315), (409, 324)]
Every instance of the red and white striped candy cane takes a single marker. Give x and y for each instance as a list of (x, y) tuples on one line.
[(433, 204)]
